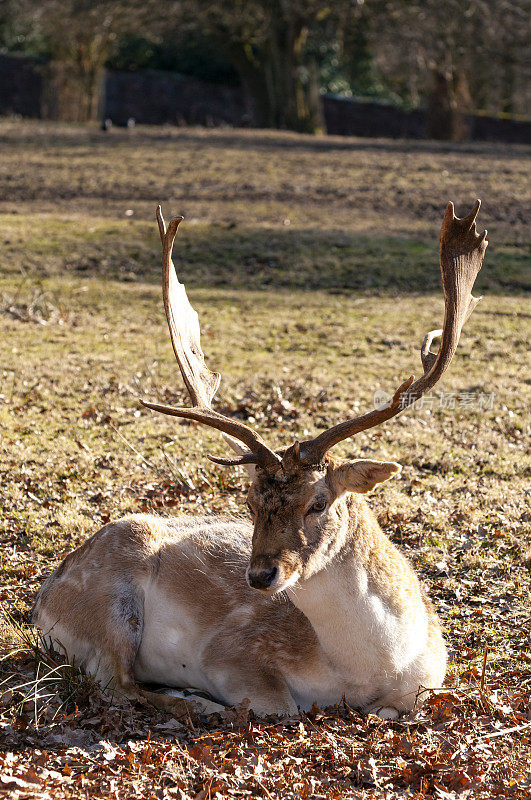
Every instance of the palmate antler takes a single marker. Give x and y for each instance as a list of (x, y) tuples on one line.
[(202, 384), (461, 252)]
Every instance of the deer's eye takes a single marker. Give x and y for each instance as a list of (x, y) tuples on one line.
[(317, 507)]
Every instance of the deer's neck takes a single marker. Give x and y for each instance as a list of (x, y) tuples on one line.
[(355, 604)]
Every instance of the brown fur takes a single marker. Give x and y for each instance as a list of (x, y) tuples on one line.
[(96, 596)]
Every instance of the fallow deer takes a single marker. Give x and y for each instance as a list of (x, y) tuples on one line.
[(310, 603)]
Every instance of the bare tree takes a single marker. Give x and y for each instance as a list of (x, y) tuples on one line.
[(266, 41), (454, 56), (79, 36), (450, 56)]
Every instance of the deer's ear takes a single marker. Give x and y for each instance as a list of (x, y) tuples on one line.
[(363, 475)]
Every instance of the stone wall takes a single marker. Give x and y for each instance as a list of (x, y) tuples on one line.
[(153, 98), (347, 117), (21, 86), (482, 128), (149, 97)]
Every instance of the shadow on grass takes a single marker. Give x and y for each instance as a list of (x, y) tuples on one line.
[(263, 140), (256, 258), (273, 141), (333, 261)]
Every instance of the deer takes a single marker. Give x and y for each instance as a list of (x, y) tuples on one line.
[(309, 601)]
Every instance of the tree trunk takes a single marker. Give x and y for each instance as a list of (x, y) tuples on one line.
[(72, 94), (254, 82), (315, 101), (283, 89), (509, 82), (444, 119), (292, 83)]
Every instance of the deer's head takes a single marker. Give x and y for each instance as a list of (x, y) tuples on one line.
[(301, 518), (298, 496)]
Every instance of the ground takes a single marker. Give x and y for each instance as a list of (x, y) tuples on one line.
[(313, 265)]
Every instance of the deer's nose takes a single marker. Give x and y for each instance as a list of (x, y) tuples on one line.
[(262, 578)]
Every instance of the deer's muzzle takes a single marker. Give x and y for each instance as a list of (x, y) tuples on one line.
[(262, 578)]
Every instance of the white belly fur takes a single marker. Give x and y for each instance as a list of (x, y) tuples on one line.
[(173, 641), (171, 646)]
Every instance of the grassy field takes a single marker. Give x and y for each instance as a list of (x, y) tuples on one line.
[(313, 265)]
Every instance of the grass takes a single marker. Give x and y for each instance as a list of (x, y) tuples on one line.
[(305, 321), (242, 257)]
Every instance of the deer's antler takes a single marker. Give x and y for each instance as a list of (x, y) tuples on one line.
[(461, 252), (201, 383)]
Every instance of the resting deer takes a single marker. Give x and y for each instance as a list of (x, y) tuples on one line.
[(194, 601)]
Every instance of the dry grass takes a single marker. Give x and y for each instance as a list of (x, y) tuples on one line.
[(83, 337)]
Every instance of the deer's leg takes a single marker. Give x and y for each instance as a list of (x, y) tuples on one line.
[(177, 706), (119, 633), (235, 678), (123, 636), (99, 630), (267, 691), (386, 712)]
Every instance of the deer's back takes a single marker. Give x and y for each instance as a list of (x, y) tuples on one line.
[(143, 549)]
